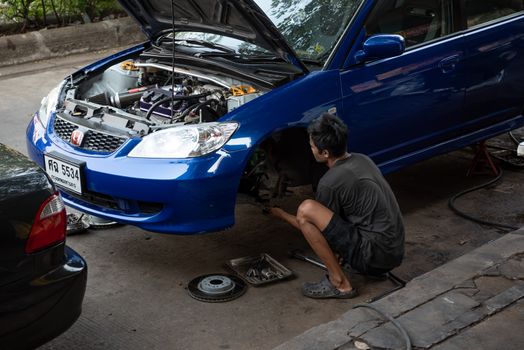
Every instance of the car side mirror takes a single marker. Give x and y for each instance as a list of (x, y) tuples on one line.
[(381, 46)]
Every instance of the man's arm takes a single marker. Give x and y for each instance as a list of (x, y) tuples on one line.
[(283, 215)]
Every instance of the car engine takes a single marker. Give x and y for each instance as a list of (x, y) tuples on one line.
[(138, 96), (153, 91)]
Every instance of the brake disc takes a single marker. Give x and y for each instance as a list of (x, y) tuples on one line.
[(216, 288), (98, 223), (76, 224)]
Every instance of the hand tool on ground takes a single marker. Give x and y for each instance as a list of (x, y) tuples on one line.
[(299, 254), (399, 282)]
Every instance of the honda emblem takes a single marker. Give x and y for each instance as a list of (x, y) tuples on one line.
[(77, 136)]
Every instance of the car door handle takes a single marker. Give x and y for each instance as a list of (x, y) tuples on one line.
[(448, 64)]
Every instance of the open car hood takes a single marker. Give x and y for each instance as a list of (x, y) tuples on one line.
[(240, 19)]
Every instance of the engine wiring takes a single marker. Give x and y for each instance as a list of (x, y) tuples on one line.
[(177, 98)]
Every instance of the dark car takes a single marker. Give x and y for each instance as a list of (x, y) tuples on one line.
[(166, 134), (42, 281)]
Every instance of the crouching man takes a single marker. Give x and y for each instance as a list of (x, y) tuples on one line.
[(355, 215)]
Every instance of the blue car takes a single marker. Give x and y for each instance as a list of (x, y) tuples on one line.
[(167, 134)]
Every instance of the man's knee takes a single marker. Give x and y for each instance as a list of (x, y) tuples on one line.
[(305, 211)]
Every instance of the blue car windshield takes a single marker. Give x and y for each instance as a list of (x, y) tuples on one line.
[(311, 27)]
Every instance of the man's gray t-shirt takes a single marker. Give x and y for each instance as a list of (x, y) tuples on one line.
[(356, 191)]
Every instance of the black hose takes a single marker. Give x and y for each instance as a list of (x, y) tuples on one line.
[(514, 138), (500, 148), (175, 98), (155, 105), (194, 107), (395, 323), (451, 204)]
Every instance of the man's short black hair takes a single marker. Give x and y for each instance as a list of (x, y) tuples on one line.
[(328, 132)]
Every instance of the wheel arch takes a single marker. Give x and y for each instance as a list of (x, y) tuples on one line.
[(281, 159)]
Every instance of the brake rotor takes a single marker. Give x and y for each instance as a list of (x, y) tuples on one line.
[(98, 223), (216, 288), (76, 224)]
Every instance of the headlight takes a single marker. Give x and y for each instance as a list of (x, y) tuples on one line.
[(185, 141), (49, 103)]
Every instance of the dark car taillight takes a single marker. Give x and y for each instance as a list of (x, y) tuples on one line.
[(49, 226)]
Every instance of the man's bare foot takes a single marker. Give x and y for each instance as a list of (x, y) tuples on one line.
[(342, 284)]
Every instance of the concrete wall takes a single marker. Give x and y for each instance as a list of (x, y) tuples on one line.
[(43, 44)]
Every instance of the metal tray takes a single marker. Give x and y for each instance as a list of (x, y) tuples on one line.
[(243, 267)]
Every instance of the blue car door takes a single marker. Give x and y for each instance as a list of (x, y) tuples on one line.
[(404, 104), (494, 59)]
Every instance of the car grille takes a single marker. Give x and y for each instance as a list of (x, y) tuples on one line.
[(93, 140), (123, 206)]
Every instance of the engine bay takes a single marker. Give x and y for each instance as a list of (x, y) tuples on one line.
[(165, 95), (142, 94)]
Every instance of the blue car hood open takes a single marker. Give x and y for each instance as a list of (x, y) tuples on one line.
[(240, 19)]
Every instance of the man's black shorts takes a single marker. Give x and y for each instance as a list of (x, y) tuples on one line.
[(343, 238)]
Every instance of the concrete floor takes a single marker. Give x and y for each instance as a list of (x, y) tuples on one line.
[(136, 296), (486, 335)]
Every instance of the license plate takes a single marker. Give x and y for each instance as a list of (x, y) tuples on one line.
[(66, 174)]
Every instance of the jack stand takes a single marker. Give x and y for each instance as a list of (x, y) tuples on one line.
[(482, 157)]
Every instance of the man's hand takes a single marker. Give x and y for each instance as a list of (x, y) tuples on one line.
[(282, 215), (277, 212)]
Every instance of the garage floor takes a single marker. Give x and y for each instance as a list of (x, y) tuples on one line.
[(136, 296)]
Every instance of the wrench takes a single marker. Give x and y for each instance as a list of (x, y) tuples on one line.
[(299, 254)]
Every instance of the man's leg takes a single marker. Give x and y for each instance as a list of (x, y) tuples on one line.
[(313, 218)]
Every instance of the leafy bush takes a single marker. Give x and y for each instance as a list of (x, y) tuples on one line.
[(34, 14)]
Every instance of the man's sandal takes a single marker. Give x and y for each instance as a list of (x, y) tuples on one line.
[(324, 290)]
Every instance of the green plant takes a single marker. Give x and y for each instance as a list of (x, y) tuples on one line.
[(18, 11), (38, 13)]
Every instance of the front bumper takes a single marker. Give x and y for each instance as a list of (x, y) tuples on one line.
[(182, 196), (44, 307)]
